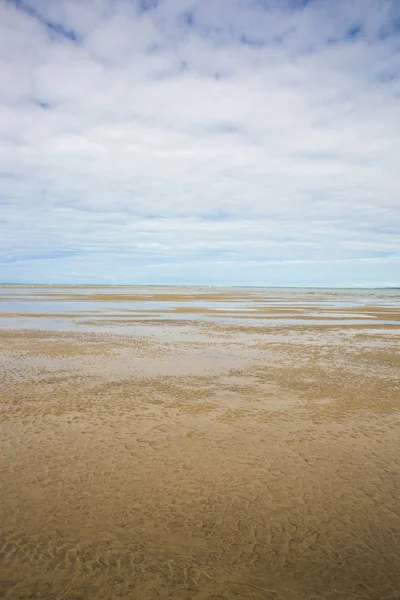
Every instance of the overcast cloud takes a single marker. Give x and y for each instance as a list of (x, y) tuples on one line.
[(214, 141)]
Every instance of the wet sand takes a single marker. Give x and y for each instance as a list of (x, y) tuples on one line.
[(150, 457)]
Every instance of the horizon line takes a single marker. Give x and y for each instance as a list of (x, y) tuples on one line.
[(194, 285)]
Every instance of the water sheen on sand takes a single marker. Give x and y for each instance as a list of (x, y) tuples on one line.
[(181, 443)]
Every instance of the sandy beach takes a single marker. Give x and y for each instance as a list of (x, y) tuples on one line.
[(199, 444)]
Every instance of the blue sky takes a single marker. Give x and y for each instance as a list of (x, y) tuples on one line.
[(207, 142)]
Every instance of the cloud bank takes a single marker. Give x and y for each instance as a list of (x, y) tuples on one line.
[(229, 142)]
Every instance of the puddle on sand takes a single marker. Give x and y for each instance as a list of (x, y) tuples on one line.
[(199, 460)]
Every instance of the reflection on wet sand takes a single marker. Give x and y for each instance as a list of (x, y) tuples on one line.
[(149, 459)]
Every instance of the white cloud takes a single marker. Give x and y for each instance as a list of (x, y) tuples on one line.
[(231, 132)]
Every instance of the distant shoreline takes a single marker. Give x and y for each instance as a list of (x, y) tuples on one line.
[(197, 285)]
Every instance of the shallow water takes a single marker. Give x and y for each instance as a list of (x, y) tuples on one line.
[(83, 307), (198, 455)]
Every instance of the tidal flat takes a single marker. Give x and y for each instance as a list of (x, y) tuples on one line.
[(199, 443)]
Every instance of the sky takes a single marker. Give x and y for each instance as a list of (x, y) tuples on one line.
[(211, 142)]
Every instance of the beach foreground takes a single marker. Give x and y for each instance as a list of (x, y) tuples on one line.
[(199, 444)]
